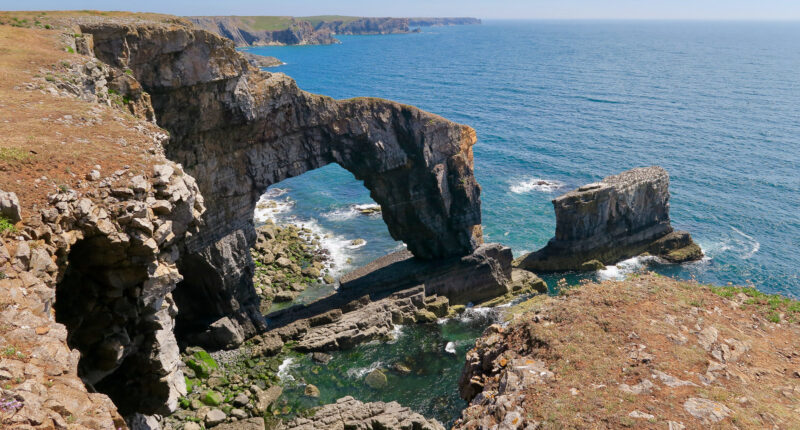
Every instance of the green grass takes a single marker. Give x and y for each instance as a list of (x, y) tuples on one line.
[(14, 154), (6, 225), (771, 304), (266, 23)]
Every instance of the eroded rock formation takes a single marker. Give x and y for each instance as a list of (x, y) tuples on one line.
[(239, 130), (297, 32), (619, 217), (349, 413)]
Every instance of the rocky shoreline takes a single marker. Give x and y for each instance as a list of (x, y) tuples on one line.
[(140, 243), (248, 31)]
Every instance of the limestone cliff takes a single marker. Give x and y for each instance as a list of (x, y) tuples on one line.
[(434, 22), (107, 264), (276, 30), (294, 32), (617, 218), (239, 130)]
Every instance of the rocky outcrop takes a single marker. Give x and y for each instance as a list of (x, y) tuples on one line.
[(296, 32), (349, 413), (311, 31), (105, 263), (476, 277), (366, 26), (620, 217), (243, 130), (432, 22), (640, 353), (261, 61)]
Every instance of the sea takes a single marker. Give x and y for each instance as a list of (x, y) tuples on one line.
[(558, 104)]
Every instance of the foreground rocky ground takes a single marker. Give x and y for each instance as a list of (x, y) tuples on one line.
[(647, 352)]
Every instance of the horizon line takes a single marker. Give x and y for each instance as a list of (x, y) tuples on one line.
[(695, 19)]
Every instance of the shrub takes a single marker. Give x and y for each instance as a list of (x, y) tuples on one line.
[(6, 226)]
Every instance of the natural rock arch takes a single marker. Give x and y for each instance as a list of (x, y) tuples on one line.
[(238, 131)]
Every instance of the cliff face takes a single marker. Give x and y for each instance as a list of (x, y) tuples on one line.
[(239, 131), (620, 217), (297, 32), (312, 31), (432, 22), (366, 26), (86, 276)]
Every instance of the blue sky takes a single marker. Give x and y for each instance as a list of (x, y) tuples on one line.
[(557, 9)]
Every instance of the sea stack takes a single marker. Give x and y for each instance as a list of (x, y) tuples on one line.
[(620, 217)]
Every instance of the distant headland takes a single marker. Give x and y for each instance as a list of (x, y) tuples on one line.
[(312, 30)]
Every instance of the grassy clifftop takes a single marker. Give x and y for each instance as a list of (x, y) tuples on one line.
[(647, 352)]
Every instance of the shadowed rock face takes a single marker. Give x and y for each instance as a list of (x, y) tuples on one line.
[(620, 217), (238, 131)]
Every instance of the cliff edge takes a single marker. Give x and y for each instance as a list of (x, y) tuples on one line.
[(648, 352)]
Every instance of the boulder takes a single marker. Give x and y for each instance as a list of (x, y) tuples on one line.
[(202, 363), (376, 379), (246, 424), (9, 206), (224, 334), (311, 390), (215, 417)]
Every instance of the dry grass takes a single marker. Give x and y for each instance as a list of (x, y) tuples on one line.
[(599, 336), (37, 138)]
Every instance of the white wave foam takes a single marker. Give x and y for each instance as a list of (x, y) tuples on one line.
[(753, 244), (625, 267), (360, 372), (338, 247), (450, 348), (270, 207), (535, 184), (352, 212), (284, 368), (397, 331), (356, 246)]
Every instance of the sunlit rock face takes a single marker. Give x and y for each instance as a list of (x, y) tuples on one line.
[(238, 131), (617, 218)]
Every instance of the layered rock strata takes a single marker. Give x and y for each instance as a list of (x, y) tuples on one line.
[(105, 262), (242, 130), (349, 413), (480, 276), (620, 217), (296, 32)]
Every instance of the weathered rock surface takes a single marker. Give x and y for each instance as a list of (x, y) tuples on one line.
[(261, 61), (649, 352), (9, 206), (620, 217), (349, 413), (237, 29), (245, 130), (482, 275)]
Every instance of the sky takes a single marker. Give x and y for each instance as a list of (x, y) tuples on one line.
[(487, 9)]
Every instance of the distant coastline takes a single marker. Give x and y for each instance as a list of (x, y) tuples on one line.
[(312, 30)]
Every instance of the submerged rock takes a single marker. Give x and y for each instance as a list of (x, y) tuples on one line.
[(311, 390), (376, 379), (620, 217)]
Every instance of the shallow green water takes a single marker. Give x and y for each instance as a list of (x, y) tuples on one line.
[(431, 388)]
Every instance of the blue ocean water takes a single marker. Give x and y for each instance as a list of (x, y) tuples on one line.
[(716, 104)]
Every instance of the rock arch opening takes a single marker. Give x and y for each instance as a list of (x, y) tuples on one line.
[(238, 130)]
